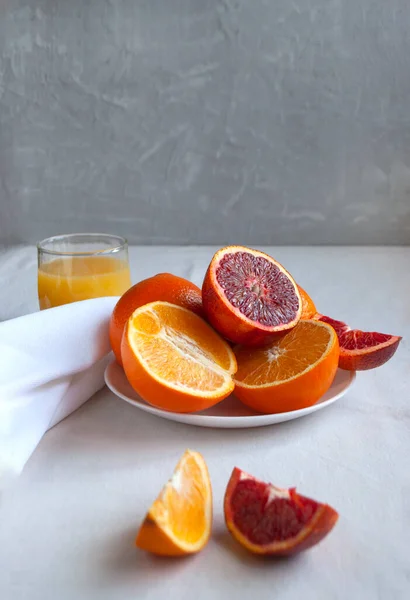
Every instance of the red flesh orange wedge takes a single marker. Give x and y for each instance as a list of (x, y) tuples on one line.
[(269, 520), (361, 350), (249, 297)]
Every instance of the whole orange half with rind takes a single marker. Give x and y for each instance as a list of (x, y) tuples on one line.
[(174, 360), (291, 373), (249, 297), (179, 522)]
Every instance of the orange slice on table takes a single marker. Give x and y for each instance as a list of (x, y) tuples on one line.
[(291, 373), (266, 519), (174, 360), (179, 521)]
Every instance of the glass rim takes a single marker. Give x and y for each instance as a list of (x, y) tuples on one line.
[(41, 246)]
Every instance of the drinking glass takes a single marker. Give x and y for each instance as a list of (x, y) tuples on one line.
[(80, 266)]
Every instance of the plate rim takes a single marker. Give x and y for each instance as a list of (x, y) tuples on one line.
[(234, 421)]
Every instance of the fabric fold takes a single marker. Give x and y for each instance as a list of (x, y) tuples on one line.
[(51, 363)]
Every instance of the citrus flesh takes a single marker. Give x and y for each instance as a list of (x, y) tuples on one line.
[(266, 519), (291, 373), (165, 287), (362, 350), (249, 297), (175, 360), (179, 521)]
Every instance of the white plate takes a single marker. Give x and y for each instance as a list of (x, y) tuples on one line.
[(230, 413)]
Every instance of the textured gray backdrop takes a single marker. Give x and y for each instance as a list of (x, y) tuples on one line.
[(206, 121)]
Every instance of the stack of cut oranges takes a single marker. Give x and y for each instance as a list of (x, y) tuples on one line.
[(251, 329)]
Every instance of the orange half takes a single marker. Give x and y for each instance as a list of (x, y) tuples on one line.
[(249, 297), (175, 360), (291, 373), (179, 521)]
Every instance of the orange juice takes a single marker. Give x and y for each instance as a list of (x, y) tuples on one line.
[(74, 278)]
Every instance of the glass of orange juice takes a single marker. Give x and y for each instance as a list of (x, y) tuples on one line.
[(80, 266)]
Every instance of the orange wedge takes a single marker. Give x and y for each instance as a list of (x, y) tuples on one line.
[(291, 373), (174, 360), (179, 521)]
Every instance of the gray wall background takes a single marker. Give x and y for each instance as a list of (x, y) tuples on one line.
[(206, 121)]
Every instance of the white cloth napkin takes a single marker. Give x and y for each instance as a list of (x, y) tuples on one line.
[(51, 362)]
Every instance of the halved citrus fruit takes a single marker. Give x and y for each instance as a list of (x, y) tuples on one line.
[(269, 520), (308, 306), (362, 350), (179, 521), (291, 373), (249, 297), (165, 287), (174, 360)]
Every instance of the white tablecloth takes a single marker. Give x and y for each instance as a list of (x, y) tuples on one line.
[(67, 527)]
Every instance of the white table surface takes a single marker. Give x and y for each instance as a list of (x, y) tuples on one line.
[(67, 526)]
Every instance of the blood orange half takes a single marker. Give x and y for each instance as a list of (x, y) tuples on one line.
[(269, 520), (361, 350), (249, 297)]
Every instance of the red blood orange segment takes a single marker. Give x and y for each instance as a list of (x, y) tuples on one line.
[(249, 297), (357, 340), (338, 326), (362, 350), (266, 519)]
